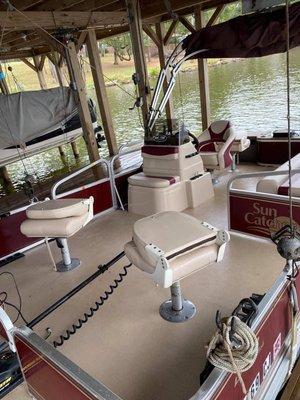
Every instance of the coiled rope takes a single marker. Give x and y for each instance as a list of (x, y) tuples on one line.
[(102, 299), (235, 351)]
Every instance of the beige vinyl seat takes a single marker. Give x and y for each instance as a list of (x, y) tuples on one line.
[(141, 179), (170, 246), (59, 219), (215, 145)]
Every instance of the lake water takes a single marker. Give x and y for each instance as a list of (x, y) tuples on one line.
[(251, 93)]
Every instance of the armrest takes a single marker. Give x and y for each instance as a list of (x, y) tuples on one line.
[(224, 156)]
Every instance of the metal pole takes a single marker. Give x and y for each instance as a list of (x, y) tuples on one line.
[(65, 252), (62, 300), (176, 297)]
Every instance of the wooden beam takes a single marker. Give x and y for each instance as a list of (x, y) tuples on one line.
[(26, 45), (41, 77), (215, 15), (68, 19), (53, 43), (135, 23), (203, 76), (80, 41), (87, 5), (28, 63), (152, 35), (170, 32), (42, 62), (83, 108), (21, 4), (185, 22), (162, 60), (23, 53), (3, 84), (96, 68), (54, 58)]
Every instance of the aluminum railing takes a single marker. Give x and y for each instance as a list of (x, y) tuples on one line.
[(122, 151), (80, 171)]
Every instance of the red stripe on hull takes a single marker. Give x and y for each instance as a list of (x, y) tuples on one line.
[(271, 335), (45, 380), (259, 216)]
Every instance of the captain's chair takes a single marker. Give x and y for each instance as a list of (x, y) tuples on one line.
[(58, 219), (215, 144), (170, 246)]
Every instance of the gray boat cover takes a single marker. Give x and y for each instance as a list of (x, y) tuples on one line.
[(27, 115)]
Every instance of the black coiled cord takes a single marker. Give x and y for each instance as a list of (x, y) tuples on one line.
[(81, 321)]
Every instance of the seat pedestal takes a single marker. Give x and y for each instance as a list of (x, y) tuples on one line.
[(177, 309), (67, 263)]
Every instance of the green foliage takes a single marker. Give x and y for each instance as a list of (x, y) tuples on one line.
[(153, 72), (121, 45)]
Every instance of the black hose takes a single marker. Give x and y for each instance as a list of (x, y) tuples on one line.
[(81, 321)]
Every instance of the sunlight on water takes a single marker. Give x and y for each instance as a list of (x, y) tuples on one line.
[(251, 93)]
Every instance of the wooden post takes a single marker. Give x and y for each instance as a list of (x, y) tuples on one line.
[(162, 59), (135, 24), (75, 149), (3, 84), (101, 94), (83, 108), (203, 76), (58, 69), (39, 70), (61, 151), (4, 176)]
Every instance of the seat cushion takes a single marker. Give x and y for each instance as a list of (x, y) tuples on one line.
[(173, 232), (141, 179), (209, 158), (284, 188), (52, 228), (271, 184), (58, 208), (183, 265)]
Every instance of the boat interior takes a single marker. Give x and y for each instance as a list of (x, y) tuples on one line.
[(127, 345), (169, 269)]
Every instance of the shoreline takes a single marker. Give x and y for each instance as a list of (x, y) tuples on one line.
[(190, 68)]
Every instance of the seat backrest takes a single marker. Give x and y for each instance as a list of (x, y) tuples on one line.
[(218, 131)]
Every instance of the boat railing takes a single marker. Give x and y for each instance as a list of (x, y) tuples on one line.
[(123, 150), (130, 145), (67, 178)]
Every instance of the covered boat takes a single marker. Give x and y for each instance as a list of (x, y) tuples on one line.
[(35, 120)]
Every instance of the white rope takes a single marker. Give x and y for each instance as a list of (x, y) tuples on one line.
[(50, 253), (295, 316), (230, 356)]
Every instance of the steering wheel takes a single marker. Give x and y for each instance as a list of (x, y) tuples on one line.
[(195, 140)]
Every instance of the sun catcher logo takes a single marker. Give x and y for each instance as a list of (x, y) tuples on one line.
[(265, 220)]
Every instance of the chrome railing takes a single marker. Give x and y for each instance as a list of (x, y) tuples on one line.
[(80, 171), (122, 151)]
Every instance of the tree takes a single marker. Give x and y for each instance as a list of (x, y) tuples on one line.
[(121, 45)]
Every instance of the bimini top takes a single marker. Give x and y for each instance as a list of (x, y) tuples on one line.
[(27, 115), (252, 35)]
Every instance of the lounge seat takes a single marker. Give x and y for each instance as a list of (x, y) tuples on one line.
[(271, 184), (171, 245)]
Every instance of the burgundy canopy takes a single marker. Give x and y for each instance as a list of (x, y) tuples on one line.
[(252, 35)]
